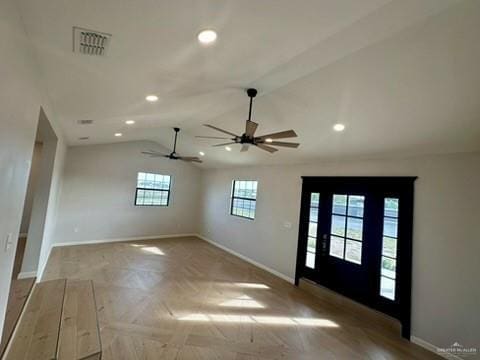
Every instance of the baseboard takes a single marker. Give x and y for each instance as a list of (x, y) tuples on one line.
[(426, 345), (26, 274), (135, 238), (247, 259)]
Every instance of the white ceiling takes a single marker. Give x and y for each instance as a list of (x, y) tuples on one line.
[(403, 75)]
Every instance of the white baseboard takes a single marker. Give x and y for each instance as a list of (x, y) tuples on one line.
[(426, 345), (247, 259), (135, 238), (27, 274)]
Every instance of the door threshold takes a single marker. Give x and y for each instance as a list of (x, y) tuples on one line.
[(362, 312)]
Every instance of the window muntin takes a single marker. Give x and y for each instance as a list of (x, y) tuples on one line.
[(152, 189), (312, 230), (388, 264), (244, 198), (346, 233)]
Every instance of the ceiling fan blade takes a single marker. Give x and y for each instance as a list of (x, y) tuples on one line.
[(190, 159), (212, 137), (225, 144), (154, 153), (244, 148), (285, 144), (250, 128), (278, 135), (267, 148), (221, 130)]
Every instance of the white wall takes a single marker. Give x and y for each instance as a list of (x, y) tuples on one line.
[(446, 244), (32, 181), (21, 97), (97, 199)]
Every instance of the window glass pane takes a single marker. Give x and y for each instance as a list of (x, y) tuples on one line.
[(353, 251), (387, 288), (312, 229), (356, 205), (310, 261), (244, 196), (354, 228), (314, 214), (390, 226), (389, 247), (336, 246), (312, 244), (338, 225), (339, 205), (391, 207), (389, 267)]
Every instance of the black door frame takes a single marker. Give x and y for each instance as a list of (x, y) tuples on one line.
[(401, 186)]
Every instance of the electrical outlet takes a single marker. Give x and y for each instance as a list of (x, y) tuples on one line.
[(8, 242)]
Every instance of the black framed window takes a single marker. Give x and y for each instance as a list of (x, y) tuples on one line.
[(244, 198), (152, 189)]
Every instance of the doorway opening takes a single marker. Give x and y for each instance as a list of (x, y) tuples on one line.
[(32, 226)]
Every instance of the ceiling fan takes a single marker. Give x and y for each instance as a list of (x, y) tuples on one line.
[(173, 155), (264, 142)]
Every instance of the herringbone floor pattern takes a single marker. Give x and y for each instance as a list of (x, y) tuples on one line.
[(183, 298)]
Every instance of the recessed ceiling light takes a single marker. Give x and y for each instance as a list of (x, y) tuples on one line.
[(228, 148), (202, 153), (338, 127), (152, 98), (130, 122), (269, 140), (118, 134), (207, 37)]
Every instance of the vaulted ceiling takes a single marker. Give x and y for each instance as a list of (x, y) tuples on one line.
[(402, 75)]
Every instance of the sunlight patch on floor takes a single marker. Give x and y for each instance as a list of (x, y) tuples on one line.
[(243, 301), (153, 250), (264, 320)]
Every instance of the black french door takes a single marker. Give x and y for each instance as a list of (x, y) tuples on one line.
[(356, 238)]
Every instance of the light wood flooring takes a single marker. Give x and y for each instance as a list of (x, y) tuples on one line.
[(183, 298)]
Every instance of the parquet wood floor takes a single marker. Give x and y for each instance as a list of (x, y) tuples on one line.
[(183, 298)]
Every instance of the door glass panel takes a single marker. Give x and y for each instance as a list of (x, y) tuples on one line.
[(346, 233), (310, 262), (390, 226), (388, 264), (338, 225), (339, 204), (312, 230), (389, 267), (336, 246), (353, 252), (389, 247), (355, 205), (354, 228), (387, 288)]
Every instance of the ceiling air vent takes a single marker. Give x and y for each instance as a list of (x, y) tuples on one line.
[(84, 122), (90, 42)]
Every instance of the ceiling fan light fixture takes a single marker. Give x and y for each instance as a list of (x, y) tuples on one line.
[(151, 98), (339, 127), (207, 37), (268, 140)]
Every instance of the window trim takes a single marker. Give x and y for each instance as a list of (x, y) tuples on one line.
[(153, 189), (233, 197)]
